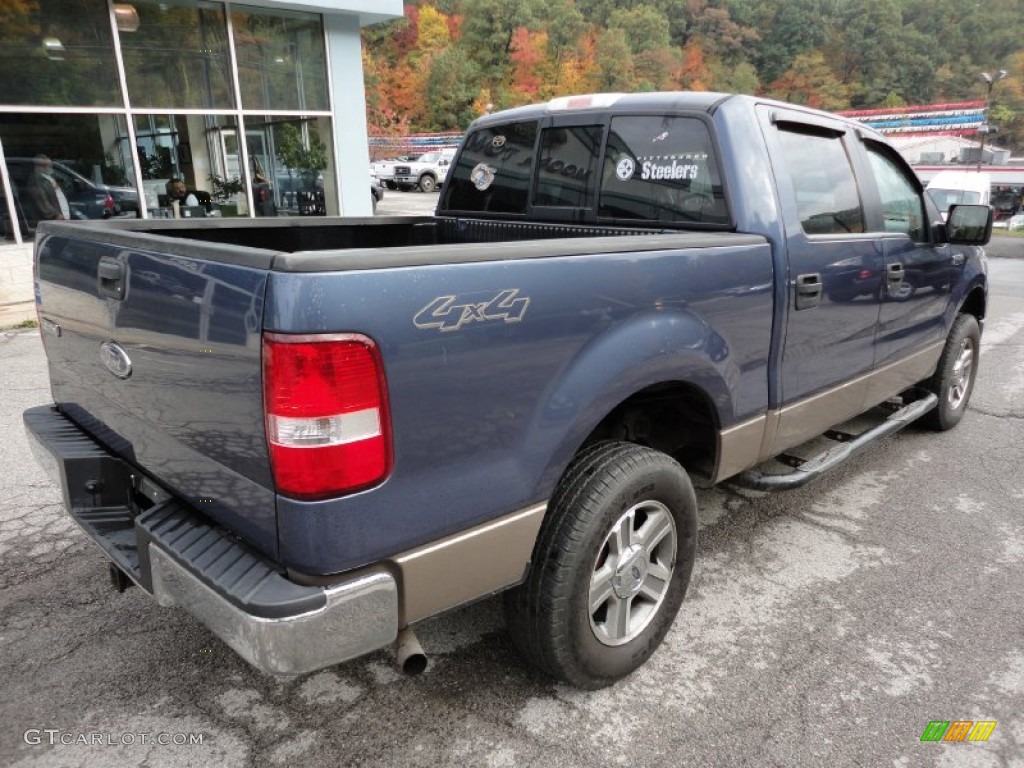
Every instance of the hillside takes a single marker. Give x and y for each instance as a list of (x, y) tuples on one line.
[(446, 61)]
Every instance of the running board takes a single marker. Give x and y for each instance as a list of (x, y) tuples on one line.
[(814, 468)]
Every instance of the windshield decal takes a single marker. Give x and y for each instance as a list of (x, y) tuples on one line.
[(482, 177), (625, 168)]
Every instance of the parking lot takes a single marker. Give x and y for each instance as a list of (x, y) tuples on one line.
[(824, 626)]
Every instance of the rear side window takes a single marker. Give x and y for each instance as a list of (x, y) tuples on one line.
[(493, 172), (823, 183), (659, 168), (568, 161)]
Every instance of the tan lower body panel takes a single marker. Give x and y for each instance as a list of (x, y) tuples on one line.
[(466, 566), (745, 445)]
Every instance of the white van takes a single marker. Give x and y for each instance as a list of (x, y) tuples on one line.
[(955, 187)]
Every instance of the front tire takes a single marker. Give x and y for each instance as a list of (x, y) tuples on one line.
[(610, 567), (953, 380), (428, 183)]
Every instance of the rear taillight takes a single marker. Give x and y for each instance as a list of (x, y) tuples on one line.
[(328, 426), (108, 205)]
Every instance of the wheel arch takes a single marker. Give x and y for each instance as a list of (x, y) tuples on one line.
[(661, 393), (975, 303)]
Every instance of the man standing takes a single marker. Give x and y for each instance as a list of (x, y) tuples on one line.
[(47, 197)]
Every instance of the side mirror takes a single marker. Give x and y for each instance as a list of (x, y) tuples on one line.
[(969, 224)]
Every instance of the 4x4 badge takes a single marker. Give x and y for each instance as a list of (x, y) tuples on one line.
[(116, 359), (449, 313)]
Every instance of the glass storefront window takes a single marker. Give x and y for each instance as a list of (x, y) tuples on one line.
[(176, 55), (57, 54), (176, 59), (281, 60), (199, 151), (67, 166), (293, 158)]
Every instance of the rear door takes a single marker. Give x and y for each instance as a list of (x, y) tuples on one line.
[(835, 273)]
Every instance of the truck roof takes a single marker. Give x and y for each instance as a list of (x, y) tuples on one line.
[(700, 101), (658, 101)]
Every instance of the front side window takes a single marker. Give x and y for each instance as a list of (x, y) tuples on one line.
[(902, 209), (659, 168), (493, 172), (823, 182)]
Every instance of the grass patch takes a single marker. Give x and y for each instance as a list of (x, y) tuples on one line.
[(1018, 233), (27, 324)]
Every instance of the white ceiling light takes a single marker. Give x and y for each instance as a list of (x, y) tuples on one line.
[(127, 17)]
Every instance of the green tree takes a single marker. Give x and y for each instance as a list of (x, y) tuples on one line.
[(614, 62), (645, 27), (487, 30), (786, 30), (307, 155), (809, 81), (451, 87)]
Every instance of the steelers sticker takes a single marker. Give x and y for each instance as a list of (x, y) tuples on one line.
[(624, 170), (482, 176)]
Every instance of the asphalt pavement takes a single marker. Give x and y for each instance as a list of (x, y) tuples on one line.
[(824, 626)]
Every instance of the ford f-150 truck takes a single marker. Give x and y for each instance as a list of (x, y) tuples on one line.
[(312, 434)]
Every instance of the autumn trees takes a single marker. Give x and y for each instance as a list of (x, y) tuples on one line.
[(447, 60)]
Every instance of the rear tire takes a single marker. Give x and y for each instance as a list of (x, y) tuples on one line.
[(953, 380), (610, 567)]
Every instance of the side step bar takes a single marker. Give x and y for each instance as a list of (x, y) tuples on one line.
[(814, 468)]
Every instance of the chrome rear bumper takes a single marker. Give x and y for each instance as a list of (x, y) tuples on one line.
[(184, 559)]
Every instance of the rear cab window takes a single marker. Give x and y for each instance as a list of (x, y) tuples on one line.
[(661, 168), (568, 163), (628, 169), (494, 170)]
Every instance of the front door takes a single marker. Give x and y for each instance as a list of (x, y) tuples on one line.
[(918, 273)]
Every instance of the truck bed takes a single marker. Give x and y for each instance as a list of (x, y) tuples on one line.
[(306, 245)]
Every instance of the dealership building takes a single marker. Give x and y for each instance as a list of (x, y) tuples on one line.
[(258, 107)]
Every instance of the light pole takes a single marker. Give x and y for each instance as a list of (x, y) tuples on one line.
[(990, 81)]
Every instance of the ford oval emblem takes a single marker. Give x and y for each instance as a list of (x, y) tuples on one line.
[(116, 359)]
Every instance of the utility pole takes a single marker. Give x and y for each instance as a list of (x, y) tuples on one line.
[(990, 81)]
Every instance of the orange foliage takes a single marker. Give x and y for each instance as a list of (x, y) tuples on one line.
[(455, 26), (405, 40), (577, 70), (694, 74), (529, 57)]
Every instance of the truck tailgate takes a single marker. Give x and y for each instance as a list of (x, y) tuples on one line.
[(157, 354)]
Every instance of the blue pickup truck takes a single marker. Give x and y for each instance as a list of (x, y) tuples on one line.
[(312, 434)]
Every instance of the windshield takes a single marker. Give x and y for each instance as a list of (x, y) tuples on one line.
[(946, 197)]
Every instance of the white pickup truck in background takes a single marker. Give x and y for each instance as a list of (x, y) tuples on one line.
[(426, 173)]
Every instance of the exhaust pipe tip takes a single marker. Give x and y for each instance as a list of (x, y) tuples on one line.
[(409, 653)]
